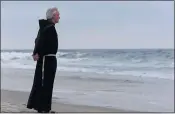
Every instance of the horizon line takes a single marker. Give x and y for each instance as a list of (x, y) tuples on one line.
[(93, 48)]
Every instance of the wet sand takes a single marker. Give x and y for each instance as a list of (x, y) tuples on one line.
[(15, 101)]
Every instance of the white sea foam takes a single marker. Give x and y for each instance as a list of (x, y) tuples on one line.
[(103, 63)]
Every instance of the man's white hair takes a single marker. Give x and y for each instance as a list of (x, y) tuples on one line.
[(50, 12)]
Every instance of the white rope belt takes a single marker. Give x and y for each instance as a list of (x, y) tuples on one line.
[(44, 59), (53, 55)]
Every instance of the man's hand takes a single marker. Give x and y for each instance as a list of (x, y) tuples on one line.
[(35, 57)]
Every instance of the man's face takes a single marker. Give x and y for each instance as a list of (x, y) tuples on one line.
[(56, 17)]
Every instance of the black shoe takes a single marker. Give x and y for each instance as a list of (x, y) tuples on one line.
[(39, 111), (48, 112)]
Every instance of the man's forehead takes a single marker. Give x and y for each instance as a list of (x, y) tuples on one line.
[(57, 12)]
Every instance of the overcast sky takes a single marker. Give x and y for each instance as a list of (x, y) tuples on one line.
[(91, 24)]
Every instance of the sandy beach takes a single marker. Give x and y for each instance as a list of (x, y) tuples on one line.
[(86, 95), (15, 101)]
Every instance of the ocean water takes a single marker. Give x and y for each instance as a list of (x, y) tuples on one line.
[(106, 78), (148, 63)]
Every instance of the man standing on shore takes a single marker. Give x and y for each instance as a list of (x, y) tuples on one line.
[(46, 47)]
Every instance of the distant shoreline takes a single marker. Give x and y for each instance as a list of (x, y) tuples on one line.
[(95, 49)]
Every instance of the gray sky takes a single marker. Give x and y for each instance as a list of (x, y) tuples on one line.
[(91, 24)]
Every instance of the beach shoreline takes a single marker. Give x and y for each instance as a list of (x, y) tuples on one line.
[(85, 92), (15, 101)]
